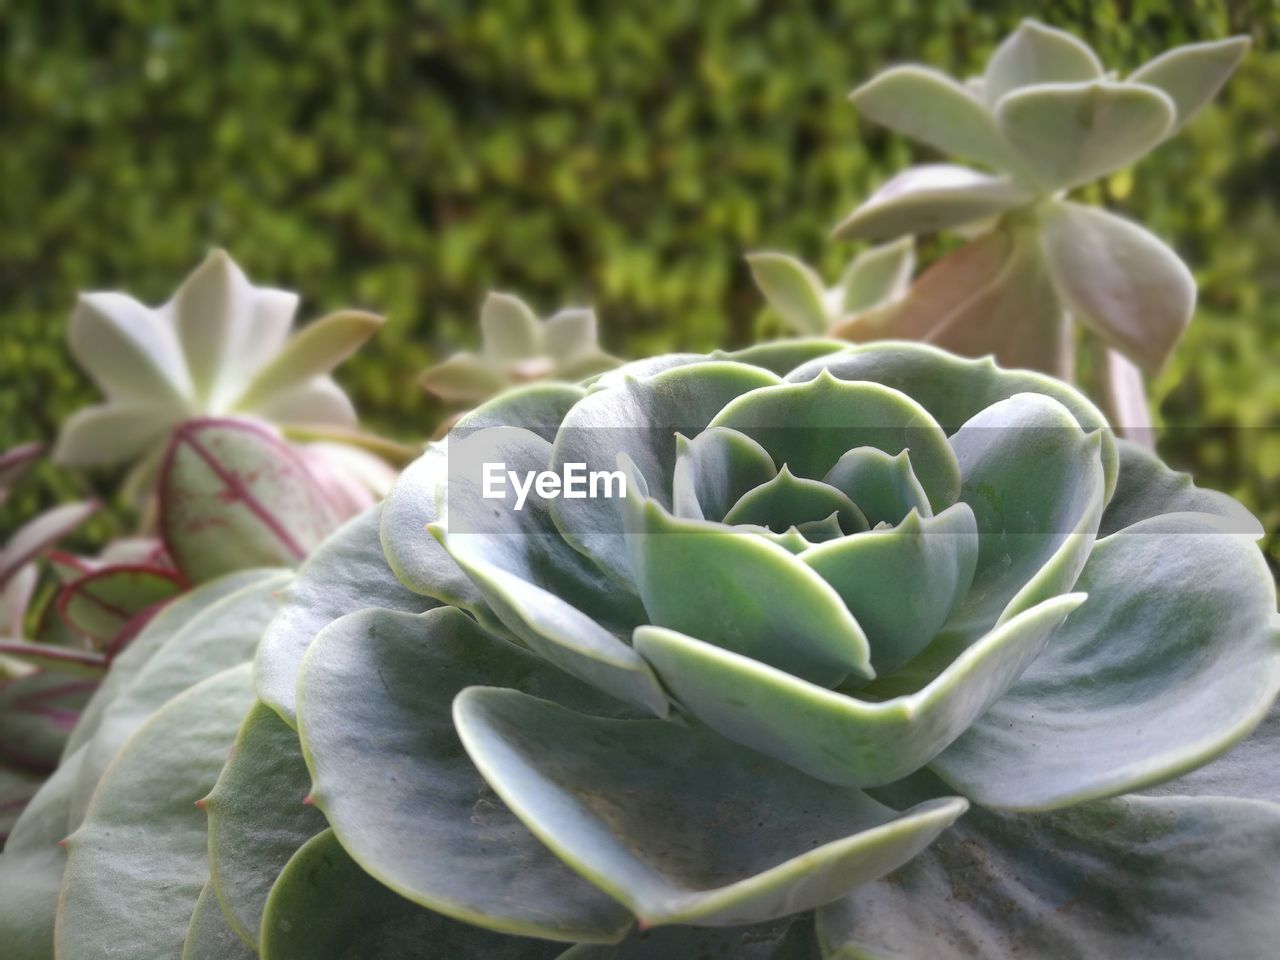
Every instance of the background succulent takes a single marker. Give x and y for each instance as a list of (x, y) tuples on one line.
[(220, 347), (1047, 118), (874, 279), (517, 348), (853, 593)]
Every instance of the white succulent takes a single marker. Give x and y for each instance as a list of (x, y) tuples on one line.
[(219, 347)]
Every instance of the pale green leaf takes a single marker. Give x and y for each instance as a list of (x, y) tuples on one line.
[(792, 289), (1192, 75), (927, 199), (1174, 658), (1035, 53), (681, 825), (1120, 280), (390, 775), (1071, 133)]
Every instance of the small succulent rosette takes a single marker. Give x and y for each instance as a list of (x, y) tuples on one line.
[(870, 285), (220, 347), (518, 348), (853, 651)]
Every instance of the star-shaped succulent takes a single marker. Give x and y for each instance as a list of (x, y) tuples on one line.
[(874, 280), (220, 347), (518, 347)]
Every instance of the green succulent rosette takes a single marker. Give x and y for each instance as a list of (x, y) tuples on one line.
[(885, 653)]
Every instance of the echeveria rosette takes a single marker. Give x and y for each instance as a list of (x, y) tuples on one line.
[(1046, 117), (852, 595), (502, 734), (518, 348), (220, 347)]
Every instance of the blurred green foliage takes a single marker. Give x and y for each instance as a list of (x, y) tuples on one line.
[(407, 157)]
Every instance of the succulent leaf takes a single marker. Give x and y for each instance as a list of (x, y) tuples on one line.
[(346, 573), (32, 866), (1203, 870), (930, 198), (1147, 488), (994, 295), (325, 907), (36, 711), (791, 939), (166, 623), (715, 470), (770, 608), (837, 737), (939, 553), (209, 936), (604, 424), (1035, 482), (233, 495), (1248, 770), (258, 819), (1191, 667), (884, 486), (929, 106), (1035, 54), (776, 356), (150, 794), (129, 350), (795, 291), (810, 426), (1130, 288), (733, 840), (1071, 133), (102, 602), (406, 803), (312, 353), (1192, 75), (954, 389), (221, 636), (40, 533), (14, 462)]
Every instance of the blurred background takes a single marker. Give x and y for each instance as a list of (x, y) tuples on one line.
[(409, 156)]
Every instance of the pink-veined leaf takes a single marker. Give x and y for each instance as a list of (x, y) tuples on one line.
[(40, 533), (100, 603), (55, 659), (233, 495)]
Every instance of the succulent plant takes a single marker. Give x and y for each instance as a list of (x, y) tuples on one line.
[(884, 652), (220, 347), (874, 280), (39, 686), (1045, 118), (231, 496), (518, 348)]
